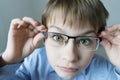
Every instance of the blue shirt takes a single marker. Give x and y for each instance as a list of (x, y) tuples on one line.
[(36, 67)]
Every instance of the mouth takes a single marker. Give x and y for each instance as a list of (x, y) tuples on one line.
[(68, 70)]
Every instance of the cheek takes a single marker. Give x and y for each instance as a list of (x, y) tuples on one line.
[(52, 55), (86, 59)]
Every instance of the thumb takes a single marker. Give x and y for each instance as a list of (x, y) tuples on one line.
[(37, 39), (106, 44)]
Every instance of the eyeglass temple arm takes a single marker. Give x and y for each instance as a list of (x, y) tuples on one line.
[(43, 32)]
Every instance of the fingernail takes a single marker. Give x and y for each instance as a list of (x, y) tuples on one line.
[(18, 26), (37, 23)]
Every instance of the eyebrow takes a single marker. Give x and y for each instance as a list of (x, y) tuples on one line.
[(52, 26), (85, 33), (89, 32)]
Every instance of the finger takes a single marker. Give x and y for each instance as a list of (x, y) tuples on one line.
[(106, 44), (37, 39), (107, 35), (18, 23), (114, 39), (112, 31), (39, 36), (40, 29), (15, 23), (31, 21), (113, 28)]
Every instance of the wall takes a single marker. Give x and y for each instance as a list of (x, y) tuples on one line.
[(10, 9)]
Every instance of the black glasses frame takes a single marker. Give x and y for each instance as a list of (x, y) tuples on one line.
[(73, 37)]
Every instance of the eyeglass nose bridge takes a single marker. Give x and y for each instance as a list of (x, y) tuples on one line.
[(69, 37)]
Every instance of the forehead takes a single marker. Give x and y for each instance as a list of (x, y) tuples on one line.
[(75, 30)]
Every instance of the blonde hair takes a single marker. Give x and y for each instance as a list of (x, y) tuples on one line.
[(77, 12)]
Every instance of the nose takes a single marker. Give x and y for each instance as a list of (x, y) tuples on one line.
[(71, 53)]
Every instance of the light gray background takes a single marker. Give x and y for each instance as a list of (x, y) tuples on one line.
[(10, 9)]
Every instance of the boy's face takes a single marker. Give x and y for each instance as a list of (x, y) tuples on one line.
[(68, 58)]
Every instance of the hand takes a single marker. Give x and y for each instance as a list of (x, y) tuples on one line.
[(111, 43), (23, 37)]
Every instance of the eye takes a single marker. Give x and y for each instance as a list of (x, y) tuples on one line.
[(86, 41), (57, 37)]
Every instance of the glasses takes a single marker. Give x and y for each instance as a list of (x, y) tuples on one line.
[(89, 43)]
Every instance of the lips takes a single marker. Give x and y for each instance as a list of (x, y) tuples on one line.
[(70, 70)]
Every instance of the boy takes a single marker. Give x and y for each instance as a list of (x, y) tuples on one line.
[(72, 32)]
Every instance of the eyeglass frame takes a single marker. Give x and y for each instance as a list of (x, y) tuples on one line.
[(74, 37)]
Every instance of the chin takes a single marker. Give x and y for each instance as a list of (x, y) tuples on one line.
[(67, 76)]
